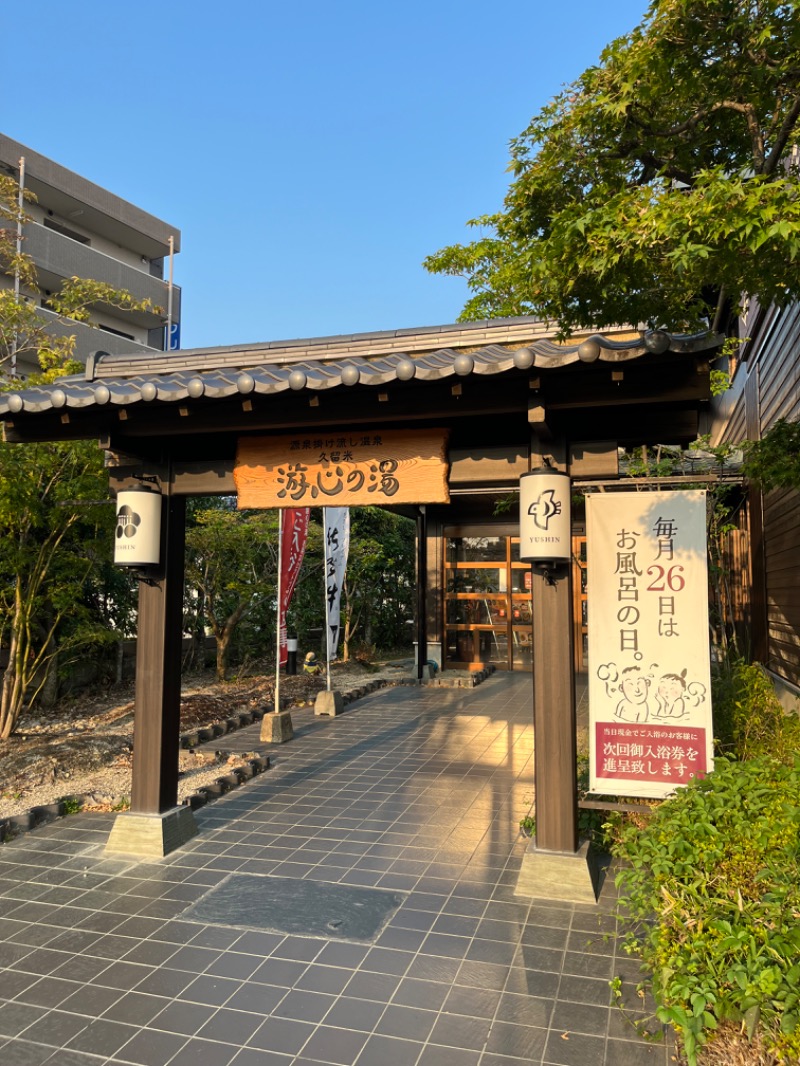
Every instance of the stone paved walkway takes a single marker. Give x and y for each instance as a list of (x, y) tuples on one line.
[(415, 792)]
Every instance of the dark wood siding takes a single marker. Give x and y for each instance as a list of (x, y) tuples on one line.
[(765, 389), (779, 397), (782, 562)]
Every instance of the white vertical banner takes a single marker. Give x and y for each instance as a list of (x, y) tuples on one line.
[(650, 727), (337, 545)]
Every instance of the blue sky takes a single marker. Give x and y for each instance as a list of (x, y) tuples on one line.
[(311, 154)]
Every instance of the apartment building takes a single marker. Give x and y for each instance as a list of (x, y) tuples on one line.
[(77, 228)]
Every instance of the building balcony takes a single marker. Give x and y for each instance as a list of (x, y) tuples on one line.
[(58, 257), (88, 339), (102, 212)]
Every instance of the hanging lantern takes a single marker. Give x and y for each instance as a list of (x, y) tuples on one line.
[(545, 523), (138, 534)]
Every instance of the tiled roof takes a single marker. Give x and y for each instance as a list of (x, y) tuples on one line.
[(330, 363)]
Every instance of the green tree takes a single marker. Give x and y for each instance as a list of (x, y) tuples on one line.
[(232, 561), (56, 518), (658, 187), (379, 585), (53, 535)]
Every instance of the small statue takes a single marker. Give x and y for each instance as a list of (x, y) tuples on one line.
[(311, 666)]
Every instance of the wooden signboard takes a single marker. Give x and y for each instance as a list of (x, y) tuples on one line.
[(342, 468)]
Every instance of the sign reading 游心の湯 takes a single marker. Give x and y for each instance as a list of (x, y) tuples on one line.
[(343, 468)]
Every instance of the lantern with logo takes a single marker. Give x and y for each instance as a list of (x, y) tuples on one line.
[(545, 522), (137, 538)]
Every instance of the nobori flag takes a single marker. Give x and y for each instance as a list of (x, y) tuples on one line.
[(294, 533), (337, 545)]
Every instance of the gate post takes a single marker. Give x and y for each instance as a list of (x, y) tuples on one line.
[(155, 824), (553, 865)]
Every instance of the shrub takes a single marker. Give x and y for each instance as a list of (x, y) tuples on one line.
[(749, 719), (718, 867)]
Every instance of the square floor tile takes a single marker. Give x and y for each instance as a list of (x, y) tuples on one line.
[(388, 1051), (572, 1049), (102, 1037), (340, 1046), (304, 1006), (282, 1034), (230, 1026), (204, 1051), (517, 1041), (409, 1023), (454, 1030)]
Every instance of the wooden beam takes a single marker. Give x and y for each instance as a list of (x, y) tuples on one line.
[(538, 419), (203, 478)]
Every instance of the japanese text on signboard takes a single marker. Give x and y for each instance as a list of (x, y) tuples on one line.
[(648, 640), (393, 466)]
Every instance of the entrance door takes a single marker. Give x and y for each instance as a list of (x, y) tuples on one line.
[(487, 604), (579, 604)]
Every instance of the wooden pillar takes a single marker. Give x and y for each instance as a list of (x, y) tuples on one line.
[(554, 724), (422, 588), (158, 670)]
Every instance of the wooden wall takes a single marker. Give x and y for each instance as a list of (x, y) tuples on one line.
[(766, 388)]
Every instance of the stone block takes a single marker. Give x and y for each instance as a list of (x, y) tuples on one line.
[(330, 703), (277, 728), (151, 835), (556, 876)]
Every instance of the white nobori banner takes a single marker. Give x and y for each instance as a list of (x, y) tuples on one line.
[(337, 545), (650, 725)]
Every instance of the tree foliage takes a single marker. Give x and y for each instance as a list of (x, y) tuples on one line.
[(379, 586), (774, 461), (232, 564), (57, 590), (657, 187), (54, 538), (231, 581)]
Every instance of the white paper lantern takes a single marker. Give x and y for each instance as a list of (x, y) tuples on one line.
[(137, 538), (545, 523)]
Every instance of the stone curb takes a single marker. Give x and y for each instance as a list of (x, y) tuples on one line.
[(462, 682), (15, 824), (238, 775)]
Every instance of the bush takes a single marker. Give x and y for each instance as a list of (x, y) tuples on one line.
[(749, 719), (718, 867)]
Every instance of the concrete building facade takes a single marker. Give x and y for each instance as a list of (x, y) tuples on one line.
[(77, 228)]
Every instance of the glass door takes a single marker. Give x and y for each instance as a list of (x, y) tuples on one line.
[(521, 611), (487, 603)]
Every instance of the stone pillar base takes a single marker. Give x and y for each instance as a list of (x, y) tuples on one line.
[(554, 875), (151, 836), (277, 728), (330, 703)]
